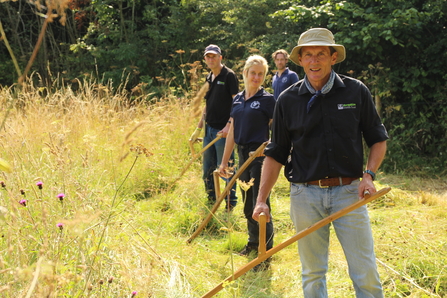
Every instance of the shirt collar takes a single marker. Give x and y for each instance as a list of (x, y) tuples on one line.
[(338, 83), (261, 92), (286, 71), (223, 72)]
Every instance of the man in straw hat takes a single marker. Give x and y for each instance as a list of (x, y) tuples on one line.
[(317, 132)]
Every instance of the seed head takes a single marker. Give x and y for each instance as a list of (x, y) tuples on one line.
[(140, 149), (245, 185)]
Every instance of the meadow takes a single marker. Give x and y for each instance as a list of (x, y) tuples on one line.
[(95, 206)]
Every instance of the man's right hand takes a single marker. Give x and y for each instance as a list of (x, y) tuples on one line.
[(195, 135), (259, 208)]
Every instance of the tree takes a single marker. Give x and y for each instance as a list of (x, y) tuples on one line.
[(399, 49)]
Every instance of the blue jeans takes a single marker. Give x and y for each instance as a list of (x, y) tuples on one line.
[(249, 196), (308, 205), (212, 158)]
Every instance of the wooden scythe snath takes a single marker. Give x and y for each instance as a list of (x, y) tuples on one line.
[(191, 145), (227, 190), (262, 256)]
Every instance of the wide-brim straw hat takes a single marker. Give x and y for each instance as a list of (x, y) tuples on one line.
[(317, 37)]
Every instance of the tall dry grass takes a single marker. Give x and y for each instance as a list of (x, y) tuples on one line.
[(100, 153), (91, 209)]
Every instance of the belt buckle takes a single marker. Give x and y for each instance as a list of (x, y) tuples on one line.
[(321, 186)]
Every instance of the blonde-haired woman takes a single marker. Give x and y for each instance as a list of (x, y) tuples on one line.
[(250, 118)]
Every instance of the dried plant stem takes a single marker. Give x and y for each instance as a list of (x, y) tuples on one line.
[(48, 18), (197, 100), (11, 53), (16, 65), (35, 279)]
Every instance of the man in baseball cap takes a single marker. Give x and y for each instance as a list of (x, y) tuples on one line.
[(212, 48), (223, 86)]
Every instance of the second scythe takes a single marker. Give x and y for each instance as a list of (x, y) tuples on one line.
[(227, 189)]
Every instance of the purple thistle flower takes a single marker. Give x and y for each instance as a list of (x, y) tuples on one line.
[(61, 196), (60, 226), (134, 293), (39, 184), (22, 202)]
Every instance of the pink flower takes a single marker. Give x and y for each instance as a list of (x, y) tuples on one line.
[(39, 184), (60, 226), (61, 196), (22, 202), (134, 293)]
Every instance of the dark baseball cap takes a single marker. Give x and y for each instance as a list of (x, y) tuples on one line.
[(212, 48)]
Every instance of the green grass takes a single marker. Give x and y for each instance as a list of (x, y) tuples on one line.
[(127, 215)]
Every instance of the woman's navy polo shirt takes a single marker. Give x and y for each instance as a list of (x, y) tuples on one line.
[(251, 117)]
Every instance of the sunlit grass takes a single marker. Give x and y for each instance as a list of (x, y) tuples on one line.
[(125, 215)]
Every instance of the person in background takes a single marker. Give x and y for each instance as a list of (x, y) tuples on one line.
[(317, 133), (223, 86), (284, 77), (250, 120)]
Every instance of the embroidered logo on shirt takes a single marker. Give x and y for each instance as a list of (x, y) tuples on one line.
[(346, 106), (220, 83), (284, 80), (255, 105)]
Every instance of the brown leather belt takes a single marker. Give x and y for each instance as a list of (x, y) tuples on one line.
[(337, 181)]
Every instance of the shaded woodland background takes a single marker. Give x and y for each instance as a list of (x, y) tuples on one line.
[(153, 48)]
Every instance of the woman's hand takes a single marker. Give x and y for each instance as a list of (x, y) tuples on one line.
[(225, 172)]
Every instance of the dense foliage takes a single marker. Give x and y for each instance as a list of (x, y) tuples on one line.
[(398, 48)]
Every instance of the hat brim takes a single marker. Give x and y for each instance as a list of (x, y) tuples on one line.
[(339, 48), (212, 52)]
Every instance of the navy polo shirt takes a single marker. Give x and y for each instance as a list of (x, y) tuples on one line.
[(251, 117), (287, 79)]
